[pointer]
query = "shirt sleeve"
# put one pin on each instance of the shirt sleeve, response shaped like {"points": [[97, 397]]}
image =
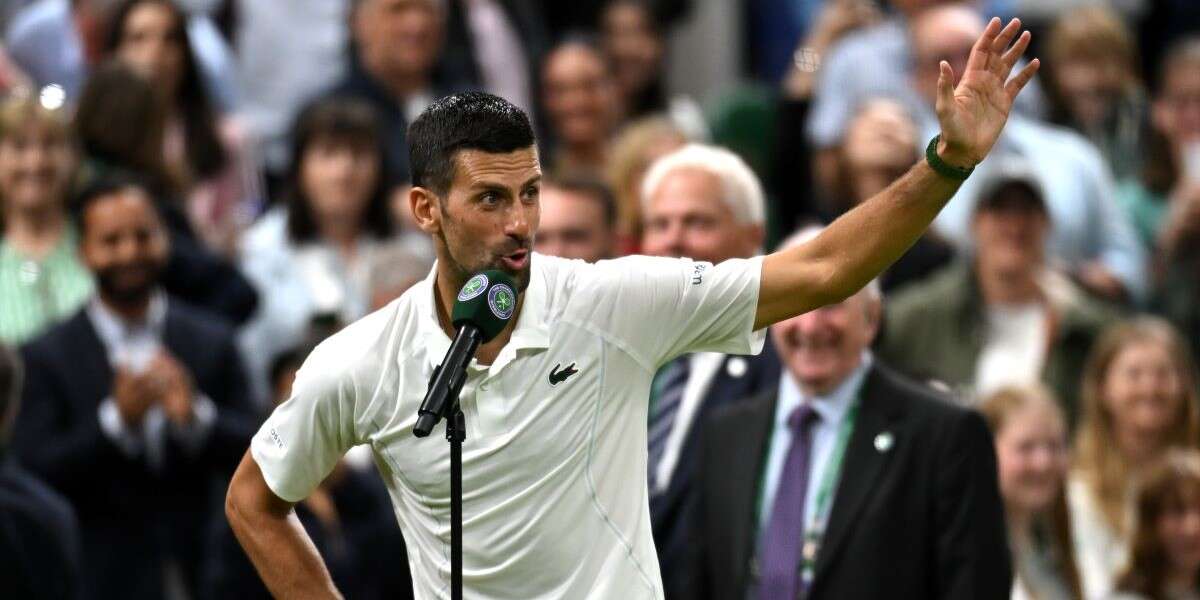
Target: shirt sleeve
{"points": [[660, 308], [304, 437]]}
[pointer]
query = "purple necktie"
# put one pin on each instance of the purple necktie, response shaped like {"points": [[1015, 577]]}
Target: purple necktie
{"points": [[782, 542]]}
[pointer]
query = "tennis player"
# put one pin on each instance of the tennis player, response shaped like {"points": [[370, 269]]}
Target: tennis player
{"points": [[554, 464]]}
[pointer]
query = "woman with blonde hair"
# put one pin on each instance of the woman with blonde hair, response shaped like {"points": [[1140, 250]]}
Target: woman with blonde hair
{"points": [[636, 147], [41, 278], [1030, 433], [1165, 561], [1139, 399]]}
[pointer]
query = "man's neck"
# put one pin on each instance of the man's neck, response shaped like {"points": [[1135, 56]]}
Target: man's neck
{"points": [[132, 311], [999, 287]]}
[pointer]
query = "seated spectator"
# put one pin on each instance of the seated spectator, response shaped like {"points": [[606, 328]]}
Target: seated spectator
{"points": [[845, 479], [1003, 316], [41, 279], [1032, 459], [1165, 559], [396, 45], [311, 254], [582, 106], [120, 122], [635, 148], [201, 150], [578, 219], [1092, 236], [394, 268], [136, 408], [634, 40], [348, 517], [39, 548], [1091, 65], [1139, 399]]}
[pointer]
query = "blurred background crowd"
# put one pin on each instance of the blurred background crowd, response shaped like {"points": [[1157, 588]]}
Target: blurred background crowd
{"points": [[195, 192]]}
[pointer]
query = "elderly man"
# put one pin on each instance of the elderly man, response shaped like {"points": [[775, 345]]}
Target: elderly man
{"points": [[703, 203], [876, 486]]}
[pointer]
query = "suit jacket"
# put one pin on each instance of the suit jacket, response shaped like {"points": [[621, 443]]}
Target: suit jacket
{"points": [[921, 518], [671, 511], [132, 517], [39, 538]]}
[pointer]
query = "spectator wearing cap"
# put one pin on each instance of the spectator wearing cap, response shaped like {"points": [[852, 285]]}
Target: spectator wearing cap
{"points": [[1004, 316], [39, 548], [135, 408], [578, 219], [1092, 237]]}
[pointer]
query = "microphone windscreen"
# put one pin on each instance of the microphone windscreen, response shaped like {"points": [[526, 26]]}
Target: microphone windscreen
{"points": [[487, 301]]}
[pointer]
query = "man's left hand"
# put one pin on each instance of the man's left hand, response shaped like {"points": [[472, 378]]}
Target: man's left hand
{"points": [[973, 113], [178, 390]]}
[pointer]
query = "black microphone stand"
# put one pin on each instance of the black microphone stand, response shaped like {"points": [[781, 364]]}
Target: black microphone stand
{"points": [[456, 432]]}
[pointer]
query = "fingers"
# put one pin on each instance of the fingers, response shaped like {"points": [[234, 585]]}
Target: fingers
{"points": [[1006, 36], [981, 51], [945, 89], [1014, 86]]}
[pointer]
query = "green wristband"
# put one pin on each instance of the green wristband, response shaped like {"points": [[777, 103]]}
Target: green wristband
{"points": [[939, 165]]}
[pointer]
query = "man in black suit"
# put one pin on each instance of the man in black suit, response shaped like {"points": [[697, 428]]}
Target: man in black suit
{"points": [[704, 203], [847, 480], [39, 537], [135, 409]]}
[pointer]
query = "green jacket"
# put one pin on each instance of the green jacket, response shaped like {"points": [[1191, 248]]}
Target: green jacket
{"points": [[934, 330]]}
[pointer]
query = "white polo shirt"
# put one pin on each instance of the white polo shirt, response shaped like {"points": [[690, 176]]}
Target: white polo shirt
{"points": [[554, 475]]}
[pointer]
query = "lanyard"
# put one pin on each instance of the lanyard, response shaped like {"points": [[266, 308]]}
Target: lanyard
{"points": [[815, 530]]}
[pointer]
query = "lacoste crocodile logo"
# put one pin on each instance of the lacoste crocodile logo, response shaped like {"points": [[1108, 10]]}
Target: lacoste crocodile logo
{"points": [[557, 377]]}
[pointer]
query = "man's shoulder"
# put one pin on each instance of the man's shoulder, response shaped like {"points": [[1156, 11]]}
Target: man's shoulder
{"points": [[945, 287], [928, 406], [59, 337]]}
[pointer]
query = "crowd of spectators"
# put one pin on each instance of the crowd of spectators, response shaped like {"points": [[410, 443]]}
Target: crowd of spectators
{"points": [[193, 193]]}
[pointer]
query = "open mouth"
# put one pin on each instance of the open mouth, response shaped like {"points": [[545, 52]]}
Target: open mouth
{"points": [[516, 261]]}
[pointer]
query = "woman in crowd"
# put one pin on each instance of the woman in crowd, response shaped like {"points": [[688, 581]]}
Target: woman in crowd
{"points": [[202, 153], [41, 278], [1139, 399], [311, 255], [1165, 561], [637, 146], [581, 104], [1031, 451]]}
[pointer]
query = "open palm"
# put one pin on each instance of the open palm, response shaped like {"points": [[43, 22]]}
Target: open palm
{"points": [[973, 113]]}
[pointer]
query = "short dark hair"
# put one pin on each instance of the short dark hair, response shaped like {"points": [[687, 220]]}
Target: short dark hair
{"points": [[10, 386], [105, 185], [347, 120], [592, 187], [466, 121]]}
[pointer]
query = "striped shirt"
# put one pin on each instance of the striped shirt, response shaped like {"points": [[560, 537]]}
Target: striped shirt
{"points": [[37, 294]]}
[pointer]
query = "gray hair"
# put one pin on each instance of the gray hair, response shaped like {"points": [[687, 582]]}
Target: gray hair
{"points": [[741, 190]]}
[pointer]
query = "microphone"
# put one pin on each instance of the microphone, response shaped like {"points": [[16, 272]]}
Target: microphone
{"points": [[481, 311]]}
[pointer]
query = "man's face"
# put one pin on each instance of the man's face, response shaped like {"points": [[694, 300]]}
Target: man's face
{"points": [[488, 217], [944, 33], [822, 347], [573, 225], [1090, 86], [635, 48], [580, 95], [687, 217], [399, 37], [124, 245], [1011, 237]]}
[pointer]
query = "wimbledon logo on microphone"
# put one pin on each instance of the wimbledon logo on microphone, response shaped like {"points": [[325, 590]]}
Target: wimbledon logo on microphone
{"points": [[502, 301], [473, 288]]}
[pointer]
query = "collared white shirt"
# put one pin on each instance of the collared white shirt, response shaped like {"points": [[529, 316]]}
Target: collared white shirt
{"points": [[831, 410], [555, 500]]}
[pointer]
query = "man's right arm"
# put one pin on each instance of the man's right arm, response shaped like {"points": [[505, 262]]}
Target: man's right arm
{"points": [[271, 534]]}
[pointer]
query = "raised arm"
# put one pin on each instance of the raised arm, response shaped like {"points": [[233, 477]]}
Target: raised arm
{"points": [[862, 243], [273, 538]]}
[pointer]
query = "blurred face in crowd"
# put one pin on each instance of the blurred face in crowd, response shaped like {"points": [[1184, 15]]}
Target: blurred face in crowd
{"points": [[124, 245], [573, 225], [1031, 454], [822, 347], [487, 218], [35, 165], [338, 177], [152, 43], [1010, 234], [1178, 529], [687, 216], [1090, 86], [580, 95], [398, 38], [878, 147], [633, 45], [1177, 109], [1142, 391], [910, 8], [943, 33]]}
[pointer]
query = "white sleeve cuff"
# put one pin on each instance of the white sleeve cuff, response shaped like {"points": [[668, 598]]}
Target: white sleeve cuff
{"points": [[113, 427]]}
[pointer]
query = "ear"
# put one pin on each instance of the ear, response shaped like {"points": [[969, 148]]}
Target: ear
{"points": [[426, 209]]}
